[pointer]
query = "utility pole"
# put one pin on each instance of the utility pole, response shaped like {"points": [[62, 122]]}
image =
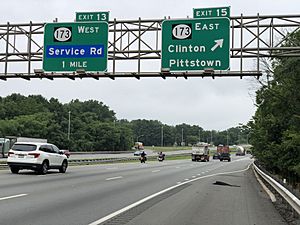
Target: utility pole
{"points": [[162, 136], [69, 129], [227, 138], [69, 125], [181, 136]]}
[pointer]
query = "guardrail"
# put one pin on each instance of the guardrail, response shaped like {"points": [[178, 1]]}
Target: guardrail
{"points": [[291, 199], [3, 164]]}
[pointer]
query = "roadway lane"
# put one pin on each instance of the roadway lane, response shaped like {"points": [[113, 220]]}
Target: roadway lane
{"points": [[100, 155], [203, 202], [85, 194]]}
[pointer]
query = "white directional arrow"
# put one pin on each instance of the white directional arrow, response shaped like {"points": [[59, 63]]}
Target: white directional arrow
{"points": [[219, 43]]}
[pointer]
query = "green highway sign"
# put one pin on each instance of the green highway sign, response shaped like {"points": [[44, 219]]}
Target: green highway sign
{"points": [[92, 16], [73, 46], [195, 44], [212, 12]]}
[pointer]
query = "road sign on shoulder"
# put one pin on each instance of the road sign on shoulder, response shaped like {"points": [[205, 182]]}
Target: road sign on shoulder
{"points": [[92, 16], [212, 12], [195, 44], [73, 46]]}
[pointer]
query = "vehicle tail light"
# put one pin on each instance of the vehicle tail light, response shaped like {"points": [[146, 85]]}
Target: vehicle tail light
{"points": [[10, 153], [35, 155]]}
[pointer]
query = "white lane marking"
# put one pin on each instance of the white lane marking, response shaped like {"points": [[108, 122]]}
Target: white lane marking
{"points": [[186, 179], [193, 176], [198, 174], [206, 171], [13, 196], [112, 168], [267, 190], [103, 219], [155, 171], [177, 167], [179, 182], [114, 178], [203, 172]]}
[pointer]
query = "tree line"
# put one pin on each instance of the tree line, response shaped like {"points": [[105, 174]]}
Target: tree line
{"points": [[275, 128], [94, 126]]}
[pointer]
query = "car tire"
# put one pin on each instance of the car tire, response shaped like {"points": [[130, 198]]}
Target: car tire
{"points": [[44, 168], [221, 160], [63, 167], [229, 160], [14, 169]]}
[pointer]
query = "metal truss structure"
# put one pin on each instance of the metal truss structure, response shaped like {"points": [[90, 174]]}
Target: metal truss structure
{"points": [[138, 44]]}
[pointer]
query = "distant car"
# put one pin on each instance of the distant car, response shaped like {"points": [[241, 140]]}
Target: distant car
{"points": [[39, 157], [216, 156], [137, 153], [66, 152], [225, 156]]}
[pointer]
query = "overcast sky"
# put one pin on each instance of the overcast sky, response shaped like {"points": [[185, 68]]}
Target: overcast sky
{"points": [[212, 104]]}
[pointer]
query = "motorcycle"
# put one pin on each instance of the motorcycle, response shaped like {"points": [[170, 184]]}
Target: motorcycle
{"points": [[161, 158], [143, 159]]}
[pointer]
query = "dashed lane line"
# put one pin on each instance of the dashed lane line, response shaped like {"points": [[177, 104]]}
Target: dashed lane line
{"points": [[114, 178], [12, 196]]}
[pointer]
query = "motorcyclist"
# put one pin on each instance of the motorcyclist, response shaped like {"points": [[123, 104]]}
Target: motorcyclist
{"points": [[161, 155], [143, 156]]}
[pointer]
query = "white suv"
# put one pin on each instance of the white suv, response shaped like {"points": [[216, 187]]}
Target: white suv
{"points": [[36, 156]]}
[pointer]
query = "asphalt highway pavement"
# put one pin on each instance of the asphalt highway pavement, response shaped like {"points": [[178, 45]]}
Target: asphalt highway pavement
{"points": [[171, 192]]}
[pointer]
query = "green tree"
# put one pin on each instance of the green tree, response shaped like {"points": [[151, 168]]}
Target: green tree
{"points": [[275, 131]]}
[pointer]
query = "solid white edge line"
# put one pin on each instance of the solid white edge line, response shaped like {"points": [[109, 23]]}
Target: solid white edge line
{"points": [[13, 196], [267, 190], [114, 178], [103, 219]]}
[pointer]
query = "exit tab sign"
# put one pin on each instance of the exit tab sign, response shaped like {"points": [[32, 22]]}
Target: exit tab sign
{"points": [[92, 16], [212, 12]]}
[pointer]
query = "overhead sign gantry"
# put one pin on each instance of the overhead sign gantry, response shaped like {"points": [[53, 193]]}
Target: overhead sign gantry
{"points": [[137, 42]]}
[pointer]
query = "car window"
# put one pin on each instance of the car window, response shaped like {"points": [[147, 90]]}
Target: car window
{"points": [[55, 149], [46, 148], [24, 147]]}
